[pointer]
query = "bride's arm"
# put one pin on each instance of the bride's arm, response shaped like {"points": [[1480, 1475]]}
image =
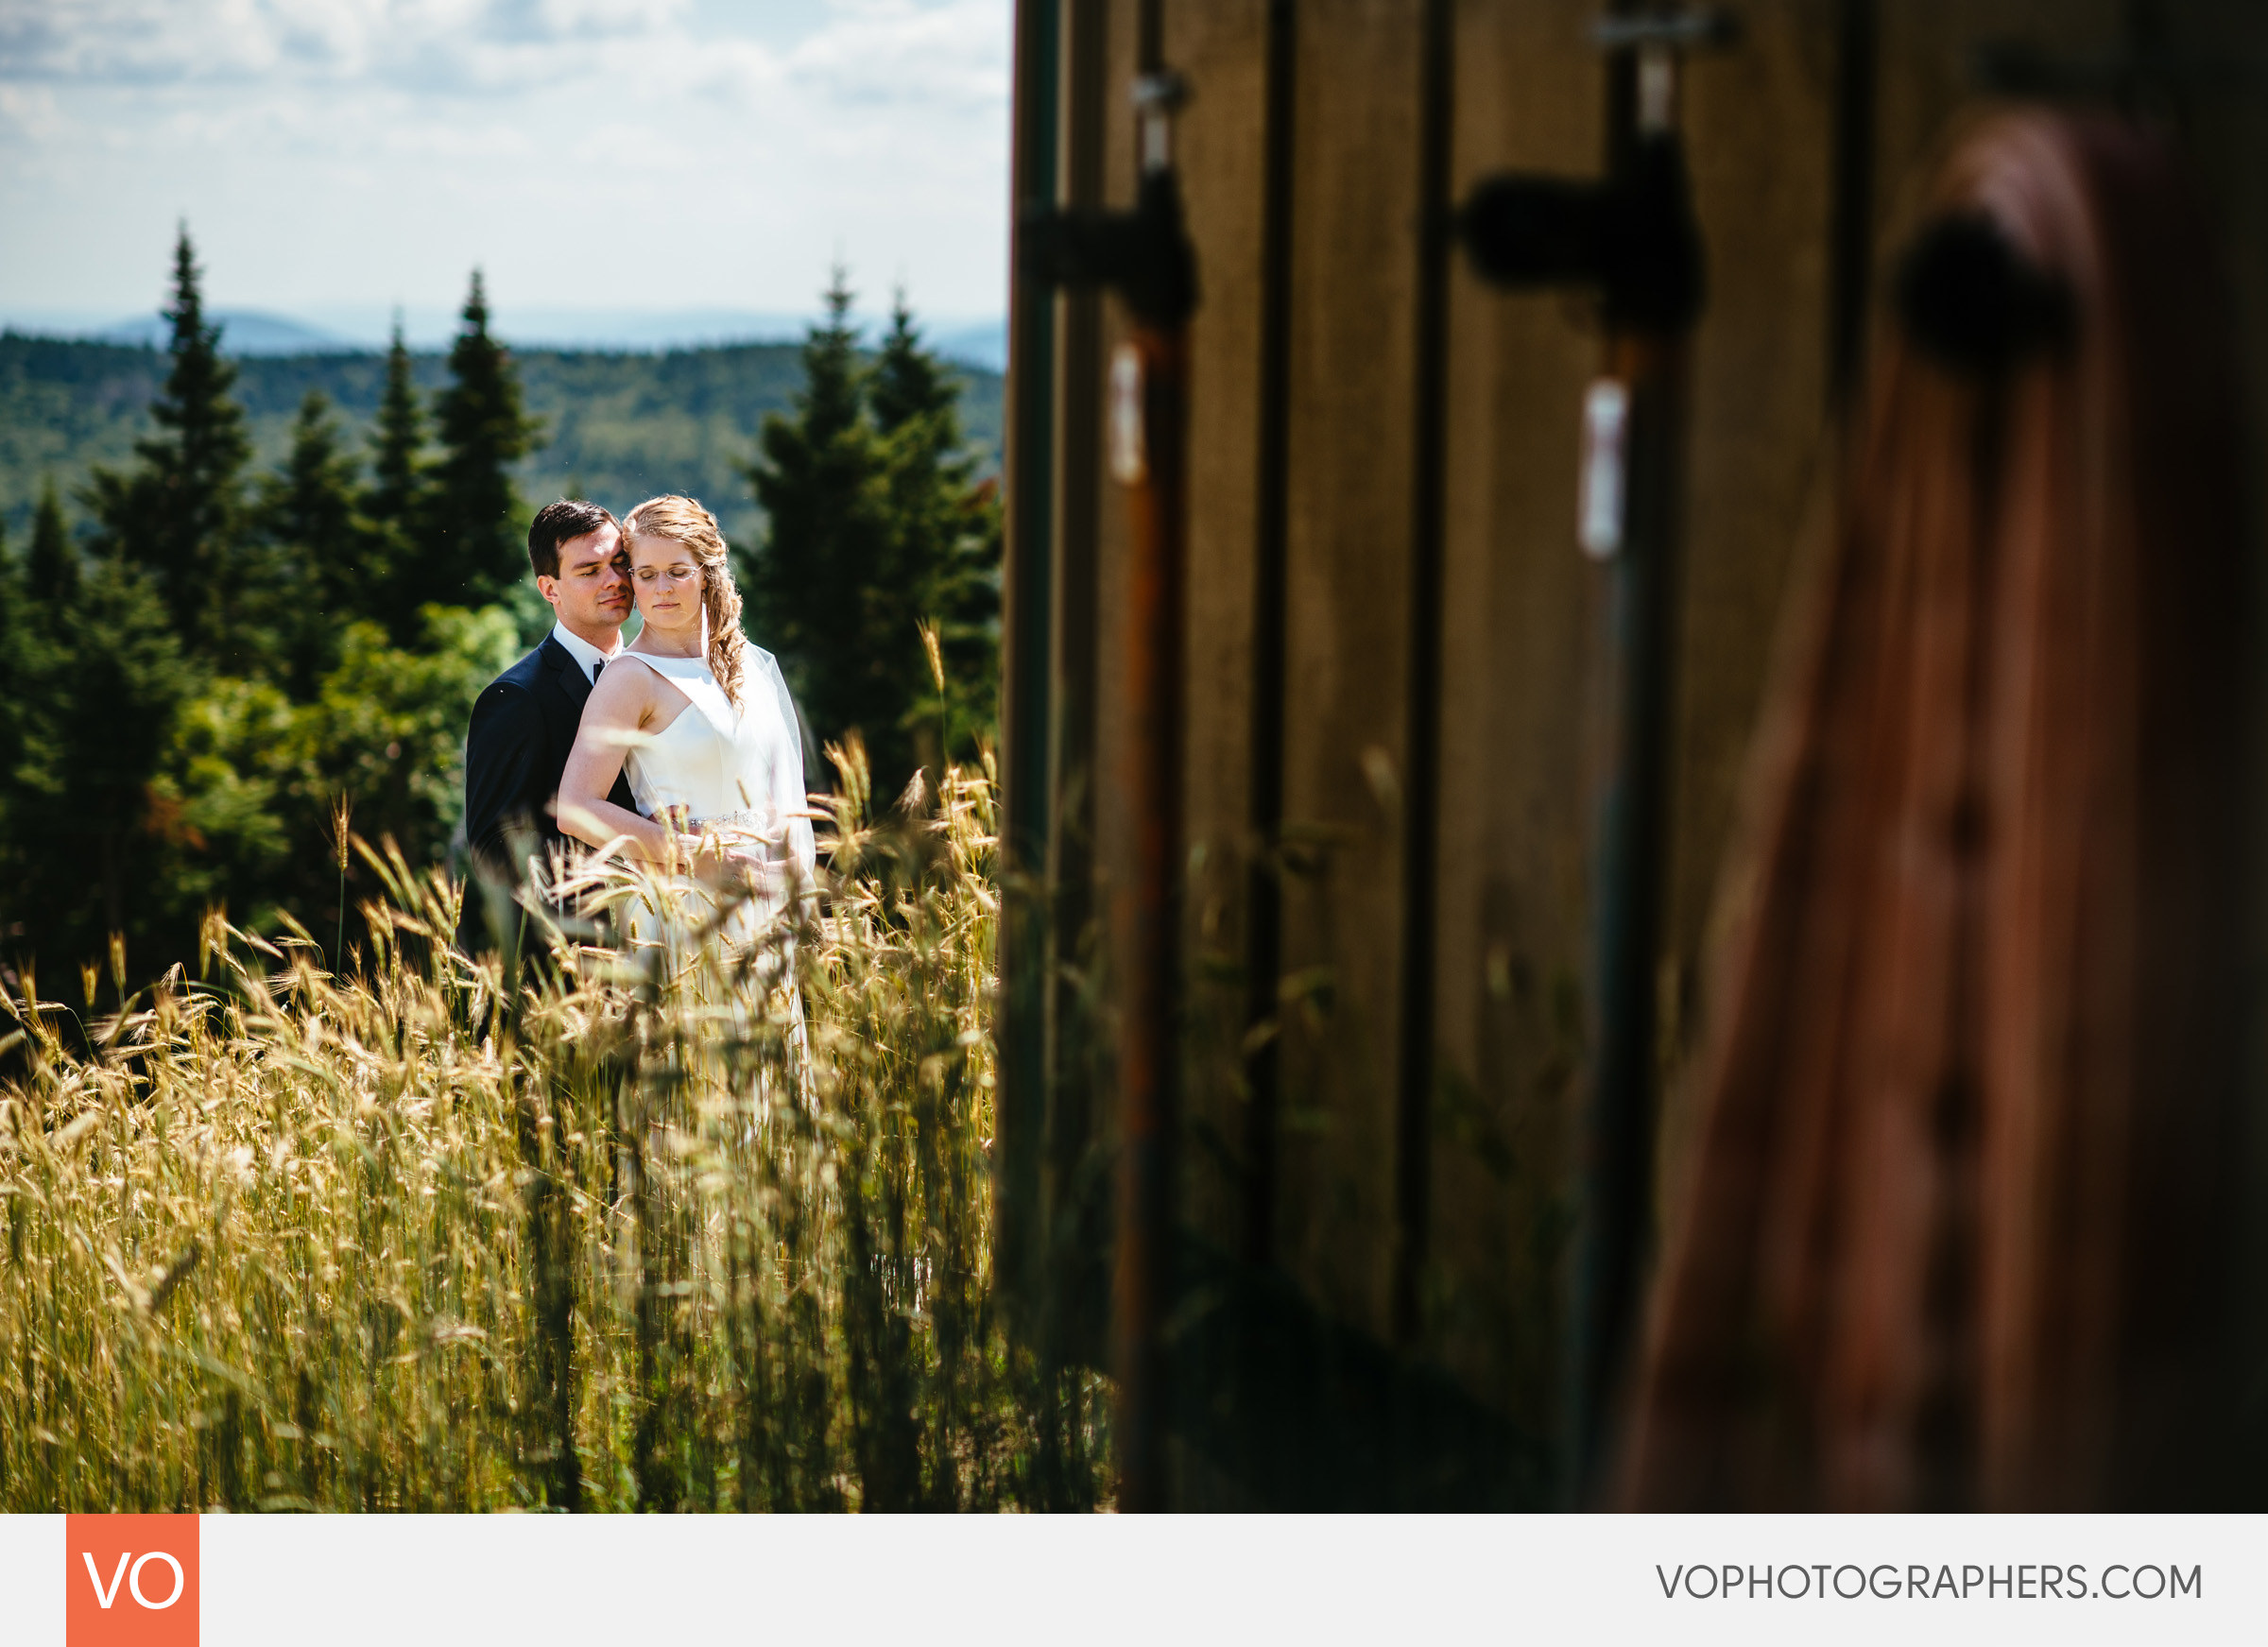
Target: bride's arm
{"points": [[610, 721]]}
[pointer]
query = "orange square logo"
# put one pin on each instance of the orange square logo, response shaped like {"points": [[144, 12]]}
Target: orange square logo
{"points": [[130, 1580]]}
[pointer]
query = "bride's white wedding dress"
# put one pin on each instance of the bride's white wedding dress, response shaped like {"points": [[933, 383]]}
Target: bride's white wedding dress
{"points": [[737, 773]]}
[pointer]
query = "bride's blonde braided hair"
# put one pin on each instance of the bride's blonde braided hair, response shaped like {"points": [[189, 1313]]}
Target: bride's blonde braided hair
{"points": [[683, 522]]}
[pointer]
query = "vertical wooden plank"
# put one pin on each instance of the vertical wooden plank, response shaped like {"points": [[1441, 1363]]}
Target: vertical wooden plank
{"points": [[1760, 130], [2226, 126], [1094, 968], [1525, 614], [1262, 961], [1415, 1061], [1026, 698], [1219, 48], [1760, 127], [1522, 623], [1354, 268], [1075, 1188]]}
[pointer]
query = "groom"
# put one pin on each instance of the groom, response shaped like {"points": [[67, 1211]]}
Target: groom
{"points": [[525, 722]]}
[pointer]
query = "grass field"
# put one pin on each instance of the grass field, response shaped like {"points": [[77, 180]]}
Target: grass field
{"points": [[389, 1236]]}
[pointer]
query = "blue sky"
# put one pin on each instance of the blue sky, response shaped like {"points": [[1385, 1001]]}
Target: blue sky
{"points": [[343, 156]]}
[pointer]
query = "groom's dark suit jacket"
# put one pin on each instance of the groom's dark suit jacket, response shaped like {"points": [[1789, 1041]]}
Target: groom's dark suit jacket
{"points": [[523, 724]]}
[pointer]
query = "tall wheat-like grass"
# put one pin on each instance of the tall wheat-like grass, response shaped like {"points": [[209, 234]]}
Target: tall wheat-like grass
{"points": [[638, 1234]]}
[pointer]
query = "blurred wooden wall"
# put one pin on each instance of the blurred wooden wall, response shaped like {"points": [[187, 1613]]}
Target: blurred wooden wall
{"points": [[1309, 451]]}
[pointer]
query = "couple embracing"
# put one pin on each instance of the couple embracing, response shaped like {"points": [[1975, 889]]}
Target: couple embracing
{"points": [[680, 749]]}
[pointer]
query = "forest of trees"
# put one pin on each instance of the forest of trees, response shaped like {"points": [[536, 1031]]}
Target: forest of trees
{"points": [[215, 658], [876, 526], [617, 424]]}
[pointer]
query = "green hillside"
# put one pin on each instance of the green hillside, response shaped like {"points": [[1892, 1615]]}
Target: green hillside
{"points": [[618, 426]]}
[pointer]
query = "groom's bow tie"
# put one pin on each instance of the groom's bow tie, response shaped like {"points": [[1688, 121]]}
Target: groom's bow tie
{"points": [[596, 667]]}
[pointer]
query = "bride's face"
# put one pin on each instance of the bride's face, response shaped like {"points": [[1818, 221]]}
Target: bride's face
{"points": [[667, 582]]}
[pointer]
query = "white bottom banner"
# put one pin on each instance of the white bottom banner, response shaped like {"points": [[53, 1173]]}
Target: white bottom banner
{"points": [[1246, 1580]]}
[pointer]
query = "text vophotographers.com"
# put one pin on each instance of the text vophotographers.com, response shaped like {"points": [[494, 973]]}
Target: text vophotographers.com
{"points": [[1918, 1581]]}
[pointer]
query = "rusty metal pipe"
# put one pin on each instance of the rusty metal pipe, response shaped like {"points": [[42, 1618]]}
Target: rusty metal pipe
{"points": [[1144, 256], [1148, 400]]}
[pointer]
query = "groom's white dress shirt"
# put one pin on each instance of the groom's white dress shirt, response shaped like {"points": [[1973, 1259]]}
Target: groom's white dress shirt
{"points": [[585, 654]]}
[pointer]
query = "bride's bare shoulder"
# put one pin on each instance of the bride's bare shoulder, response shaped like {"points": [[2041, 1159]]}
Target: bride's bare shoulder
{"points": [[642, 695], [621, 691]]}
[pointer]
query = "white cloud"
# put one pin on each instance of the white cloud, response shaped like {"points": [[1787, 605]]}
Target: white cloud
{"points": [[337, 42], [330, 151], [888, 54], [28, 115]]}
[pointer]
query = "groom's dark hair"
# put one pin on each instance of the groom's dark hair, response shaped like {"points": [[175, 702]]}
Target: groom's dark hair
{"points": [[558, 522]]}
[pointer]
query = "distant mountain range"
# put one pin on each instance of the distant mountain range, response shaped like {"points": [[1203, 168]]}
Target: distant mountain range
{"points": [[243, 332], [332, 331]]}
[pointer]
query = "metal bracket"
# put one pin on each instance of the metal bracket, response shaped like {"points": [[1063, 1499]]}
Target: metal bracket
{"points": [[1632, 234], [1145, 255], [1665, 31], [1973, 302]]}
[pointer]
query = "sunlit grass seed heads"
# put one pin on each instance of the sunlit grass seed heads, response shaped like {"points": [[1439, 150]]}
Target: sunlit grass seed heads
{"points": [[392, 1236]]}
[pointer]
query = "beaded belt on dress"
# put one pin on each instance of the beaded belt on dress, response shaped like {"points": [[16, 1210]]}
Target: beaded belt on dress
{"points": [[756, 822]]}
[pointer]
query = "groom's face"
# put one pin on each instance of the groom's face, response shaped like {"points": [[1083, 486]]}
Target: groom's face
{"points": [[593, 590]]}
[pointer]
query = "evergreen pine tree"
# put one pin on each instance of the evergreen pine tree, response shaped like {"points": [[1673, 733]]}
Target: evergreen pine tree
{"points": [[472, 551], [13, 617], [100, 680], [910, 382], [332, 560], [52, 576], [38, 592], [876, 527], [396, 442], [947, 548], [176, 514], [396, 499], [311, 499], [822, 584]]}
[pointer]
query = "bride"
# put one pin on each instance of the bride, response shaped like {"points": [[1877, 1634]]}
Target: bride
{"points": [[704, 723]]}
